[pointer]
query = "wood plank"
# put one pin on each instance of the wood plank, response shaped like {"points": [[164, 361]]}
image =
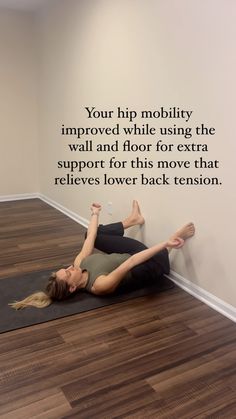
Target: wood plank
{"points": [[48, 407], [161, 356]]}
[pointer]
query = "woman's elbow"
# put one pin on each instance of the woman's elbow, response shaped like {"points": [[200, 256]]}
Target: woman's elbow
{"points": [[103, 290]]}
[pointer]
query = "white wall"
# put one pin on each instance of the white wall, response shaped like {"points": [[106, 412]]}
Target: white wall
{"points": [[18, 104], [145, 54], [137, 54]]}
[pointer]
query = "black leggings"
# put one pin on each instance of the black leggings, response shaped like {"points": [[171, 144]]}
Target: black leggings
{"points": [[110, 239]]}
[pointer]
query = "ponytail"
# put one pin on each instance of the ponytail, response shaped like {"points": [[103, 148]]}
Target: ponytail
{"points": [[38, 299], [56, 290]]}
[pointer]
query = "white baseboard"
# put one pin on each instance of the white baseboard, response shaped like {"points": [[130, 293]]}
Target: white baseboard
{"points": [[206, 297], [17, 197], [83, 221]]}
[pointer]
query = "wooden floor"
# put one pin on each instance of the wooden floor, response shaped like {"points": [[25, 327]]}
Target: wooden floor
{"points": [[160, 356]]}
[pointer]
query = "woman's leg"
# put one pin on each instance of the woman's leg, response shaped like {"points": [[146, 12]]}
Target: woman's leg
{"points": [[113, 229], [117, 229], [110, 237], [110, 240], [154, 268], [109, 243]]}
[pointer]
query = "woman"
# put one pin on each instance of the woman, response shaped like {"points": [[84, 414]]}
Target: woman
{"points": [[124, 259]]}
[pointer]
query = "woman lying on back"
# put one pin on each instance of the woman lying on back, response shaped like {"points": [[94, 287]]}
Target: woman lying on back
{"points": [[124, 259]]}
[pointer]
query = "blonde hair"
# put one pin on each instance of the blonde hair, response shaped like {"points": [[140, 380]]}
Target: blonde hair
{"points": [[56, 290], [38, 299]]}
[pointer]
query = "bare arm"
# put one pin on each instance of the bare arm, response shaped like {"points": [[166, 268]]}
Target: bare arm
{"points": [[88, 245], [105, 284]]}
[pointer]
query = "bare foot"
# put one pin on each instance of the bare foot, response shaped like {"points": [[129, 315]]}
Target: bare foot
{"points": [[136, 213], [135, 218], [185, 232]]}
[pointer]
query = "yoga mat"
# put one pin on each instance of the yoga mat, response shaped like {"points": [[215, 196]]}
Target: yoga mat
{"points": [[19, 287]]}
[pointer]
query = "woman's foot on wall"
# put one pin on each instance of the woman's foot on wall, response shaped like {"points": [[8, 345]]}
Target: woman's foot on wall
{"points": [[185, 232], [135, 218]]}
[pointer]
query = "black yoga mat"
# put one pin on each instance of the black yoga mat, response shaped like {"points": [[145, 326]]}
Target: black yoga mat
{"points": [[19, 287]]}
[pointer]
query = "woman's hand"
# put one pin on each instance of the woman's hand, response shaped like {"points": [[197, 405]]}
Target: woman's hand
{"points": [[88, 246], [95, 208], [175, 243]]}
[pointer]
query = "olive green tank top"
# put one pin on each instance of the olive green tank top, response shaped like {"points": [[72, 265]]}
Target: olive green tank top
{"points": [[101, 264]]}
